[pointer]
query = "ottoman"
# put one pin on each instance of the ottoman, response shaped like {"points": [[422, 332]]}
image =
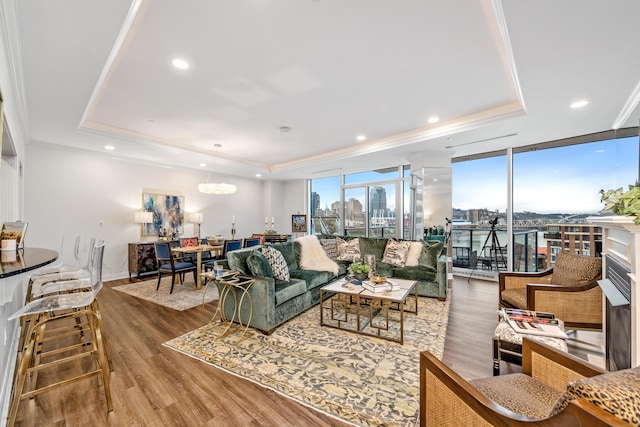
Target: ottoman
{"points": [[507, 345]]}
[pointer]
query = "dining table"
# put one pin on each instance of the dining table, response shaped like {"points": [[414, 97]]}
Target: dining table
{"points": [[198, 250]]}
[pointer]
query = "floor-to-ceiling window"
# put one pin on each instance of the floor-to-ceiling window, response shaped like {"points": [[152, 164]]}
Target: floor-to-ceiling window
{"points": [[373, 203], [555, 187], [325, 206], [479, 197]]}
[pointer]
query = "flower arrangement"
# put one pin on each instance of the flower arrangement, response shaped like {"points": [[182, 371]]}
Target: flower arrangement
{"points": [[623, 202]]}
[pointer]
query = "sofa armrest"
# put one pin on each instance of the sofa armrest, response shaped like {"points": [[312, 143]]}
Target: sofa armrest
{"points": [[441, 274], [579, 306], [553, 367], [510, 280], [447, 399], [263, 304]]}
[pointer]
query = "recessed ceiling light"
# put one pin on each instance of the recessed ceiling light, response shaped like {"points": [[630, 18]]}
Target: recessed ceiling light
{"points": [[180, 63], [433, 119], [258, 175], [109, 147], [579, 104], [284, 129], [361, 137], [203, 165]]}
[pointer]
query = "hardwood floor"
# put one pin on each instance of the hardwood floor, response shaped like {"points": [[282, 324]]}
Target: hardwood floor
{"points": [[153, 385]]}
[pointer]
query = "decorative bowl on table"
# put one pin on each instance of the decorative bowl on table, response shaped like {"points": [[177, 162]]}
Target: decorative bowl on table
{"points": [[378, 279], [215, 240]]}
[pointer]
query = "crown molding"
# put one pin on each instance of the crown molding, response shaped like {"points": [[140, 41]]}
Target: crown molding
{"points": [[11, 72]]}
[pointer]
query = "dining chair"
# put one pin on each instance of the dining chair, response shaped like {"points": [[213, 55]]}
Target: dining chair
{"points": [[228, 246], [250, 241], [206, 255], [168, 265]]}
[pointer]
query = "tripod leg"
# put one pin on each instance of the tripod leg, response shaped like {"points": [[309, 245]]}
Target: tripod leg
{"points": [[481, 252]]}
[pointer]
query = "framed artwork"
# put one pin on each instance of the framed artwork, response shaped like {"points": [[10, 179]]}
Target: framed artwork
{"points": [[299, 223], [168, 213], [14, 231]]}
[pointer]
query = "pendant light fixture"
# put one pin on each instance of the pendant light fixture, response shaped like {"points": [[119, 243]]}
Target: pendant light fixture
{"points": [[216, 187]]}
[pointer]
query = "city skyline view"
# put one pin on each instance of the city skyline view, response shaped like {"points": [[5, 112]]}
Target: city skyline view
{"points": [[561, 180]]}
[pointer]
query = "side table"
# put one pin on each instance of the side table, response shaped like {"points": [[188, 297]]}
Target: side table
{"points": [[231, 283], [507, 344]]}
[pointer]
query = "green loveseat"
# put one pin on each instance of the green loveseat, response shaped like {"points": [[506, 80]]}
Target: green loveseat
{"points": [[276, 301]]}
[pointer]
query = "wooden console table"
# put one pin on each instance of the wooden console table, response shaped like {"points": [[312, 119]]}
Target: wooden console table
{"points": [[142, 257], [273, 238]]}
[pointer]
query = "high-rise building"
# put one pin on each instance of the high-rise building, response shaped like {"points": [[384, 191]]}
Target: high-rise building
{"points": [[378, 202], [315, 204]]}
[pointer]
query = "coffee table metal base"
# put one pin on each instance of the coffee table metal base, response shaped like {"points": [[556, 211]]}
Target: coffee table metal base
{"points": [[380, 315]]}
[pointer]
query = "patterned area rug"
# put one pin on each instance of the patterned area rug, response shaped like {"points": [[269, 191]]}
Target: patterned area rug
{"points": [[362, 380], [184, 296]]}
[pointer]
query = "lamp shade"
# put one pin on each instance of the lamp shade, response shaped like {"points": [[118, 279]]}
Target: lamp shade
{"points": [[143, 217], [216, 188], [195, 217]]}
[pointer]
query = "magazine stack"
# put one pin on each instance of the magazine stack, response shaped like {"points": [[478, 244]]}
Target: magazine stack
{"points": [[533, 322]]}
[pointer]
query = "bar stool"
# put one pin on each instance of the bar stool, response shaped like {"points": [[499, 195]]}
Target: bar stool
{"points": [[79, 314]]}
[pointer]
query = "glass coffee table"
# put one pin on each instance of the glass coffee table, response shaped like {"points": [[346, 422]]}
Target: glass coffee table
{"points": [[350, 307]]}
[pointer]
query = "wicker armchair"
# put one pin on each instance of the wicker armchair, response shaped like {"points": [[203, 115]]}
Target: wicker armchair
{"points": [[554, 389], [569, 290]]}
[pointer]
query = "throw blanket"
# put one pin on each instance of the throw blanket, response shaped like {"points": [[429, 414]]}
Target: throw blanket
{"points": [[313, 257]]}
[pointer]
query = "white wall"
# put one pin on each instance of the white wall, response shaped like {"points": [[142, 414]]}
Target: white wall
{"points": [[434, 167], [70, 191], [296, 201]]}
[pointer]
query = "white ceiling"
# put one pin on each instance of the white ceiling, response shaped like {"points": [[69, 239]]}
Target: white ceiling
{"points": [[500, 72]]}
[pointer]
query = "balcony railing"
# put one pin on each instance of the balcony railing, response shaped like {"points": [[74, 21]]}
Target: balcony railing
{"points": [[486, 249]]}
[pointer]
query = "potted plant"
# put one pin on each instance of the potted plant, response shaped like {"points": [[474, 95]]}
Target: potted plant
{"points": [[623, 202], [359, 270]]}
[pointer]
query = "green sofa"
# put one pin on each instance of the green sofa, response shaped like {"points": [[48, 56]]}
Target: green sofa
{"points": [[276, 301], [431, 271]]}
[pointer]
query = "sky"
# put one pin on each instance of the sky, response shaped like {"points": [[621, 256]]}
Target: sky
{"points": [[558, 180]]}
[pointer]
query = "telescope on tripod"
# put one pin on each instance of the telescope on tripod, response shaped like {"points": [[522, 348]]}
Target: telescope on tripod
{"points": [[496, 255]]}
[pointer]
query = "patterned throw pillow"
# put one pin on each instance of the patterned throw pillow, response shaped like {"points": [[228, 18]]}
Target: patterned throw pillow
{"points": [[348, 250], [615, 392], [330, 247], [395, 253], [277, 263], [576, 270]]}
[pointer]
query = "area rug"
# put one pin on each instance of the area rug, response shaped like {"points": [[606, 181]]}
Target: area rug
{"points": [[359, 379], [184, 296]]}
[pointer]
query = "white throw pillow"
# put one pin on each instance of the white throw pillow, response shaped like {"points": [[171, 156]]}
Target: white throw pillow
{"points": [[413, 256], [395, 253]]}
